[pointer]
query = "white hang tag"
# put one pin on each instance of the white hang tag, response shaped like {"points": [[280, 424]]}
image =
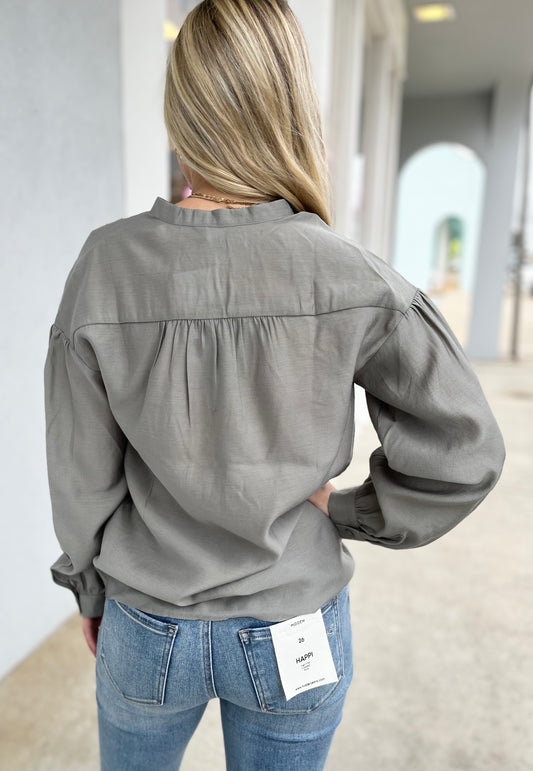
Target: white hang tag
{"points": [[302, 653]]}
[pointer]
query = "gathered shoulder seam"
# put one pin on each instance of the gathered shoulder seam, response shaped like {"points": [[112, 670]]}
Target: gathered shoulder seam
{"points": [[393, 330], [72, 347]]}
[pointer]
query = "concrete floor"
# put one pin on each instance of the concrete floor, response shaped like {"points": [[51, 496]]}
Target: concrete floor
{"points": [[442, 638]]}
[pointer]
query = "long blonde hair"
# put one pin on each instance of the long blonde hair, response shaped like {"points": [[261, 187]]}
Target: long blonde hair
{"points": [[240, 104]]}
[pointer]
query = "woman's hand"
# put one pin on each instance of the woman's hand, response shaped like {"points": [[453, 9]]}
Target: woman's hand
{"points": [[321, 497], [90, 631]]}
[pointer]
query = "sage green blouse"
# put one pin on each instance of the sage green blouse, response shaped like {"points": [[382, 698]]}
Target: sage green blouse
{"points": [[199, 387]]}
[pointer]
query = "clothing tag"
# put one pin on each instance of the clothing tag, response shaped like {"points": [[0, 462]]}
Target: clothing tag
{"points": [[303, 654]]}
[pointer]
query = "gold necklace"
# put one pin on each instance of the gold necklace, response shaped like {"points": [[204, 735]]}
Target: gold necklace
{"points": [[222, 200]]}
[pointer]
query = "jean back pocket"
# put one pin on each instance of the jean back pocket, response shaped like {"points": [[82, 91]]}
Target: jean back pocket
{"points": [[135, 651], [262, 665]]}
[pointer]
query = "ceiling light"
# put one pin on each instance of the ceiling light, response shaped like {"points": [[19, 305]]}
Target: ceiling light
{"points": [[170, 31], [431, 12]]}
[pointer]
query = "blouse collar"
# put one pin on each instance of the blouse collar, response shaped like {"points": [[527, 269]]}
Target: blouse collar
{"points": [[245, 215]]}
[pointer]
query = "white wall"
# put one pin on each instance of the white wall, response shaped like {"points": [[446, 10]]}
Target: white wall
{"points": [[316, 20], [63, 174], [146, 159]]}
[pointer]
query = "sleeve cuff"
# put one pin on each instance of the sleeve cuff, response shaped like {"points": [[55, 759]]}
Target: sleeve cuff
{"points": [[356, 514], [342, 512], [87, 587]]}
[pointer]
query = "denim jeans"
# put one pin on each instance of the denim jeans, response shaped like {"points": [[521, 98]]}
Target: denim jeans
{"points": [[155, 675]]}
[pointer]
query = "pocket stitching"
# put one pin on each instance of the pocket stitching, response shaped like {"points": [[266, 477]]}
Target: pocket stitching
{"points": [[163, 672], [117, 689], [173, 633], [260, 696], [142, 623], [339, 640]]}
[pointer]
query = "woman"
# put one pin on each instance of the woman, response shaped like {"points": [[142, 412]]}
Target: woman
{"points": [[199, 396]]}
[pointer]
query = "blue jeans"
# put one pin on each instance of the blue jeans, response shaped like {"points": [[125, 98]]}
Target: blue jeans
{"points": [[155, 675]]}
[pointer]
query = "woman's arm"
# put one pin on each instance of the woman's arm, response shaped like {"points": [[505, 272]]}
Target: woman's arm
{"points": [[441, 449], [85, 451]]}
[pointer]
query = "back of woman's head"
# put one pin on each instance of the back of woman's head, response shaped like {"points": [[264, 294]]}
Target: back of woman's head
{"points": [[240, 104]]}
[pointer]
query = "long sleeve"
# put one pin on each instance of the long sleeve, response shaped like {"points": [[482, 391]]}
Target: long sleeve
{"points": [[85, 451], [441, 449]]}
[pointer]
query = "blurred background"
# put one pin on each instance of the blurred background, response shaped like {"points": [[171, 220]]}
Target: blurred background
{"points": [[426, 114]]}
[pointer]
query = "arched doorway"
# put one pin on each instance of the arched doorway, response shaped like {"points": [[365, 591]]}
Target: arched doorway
{"points": [[439, 206]]}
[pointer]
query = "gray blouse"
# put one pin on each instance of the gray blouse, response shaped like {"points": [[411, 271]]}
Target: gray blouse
{"points": [[199, 387]]}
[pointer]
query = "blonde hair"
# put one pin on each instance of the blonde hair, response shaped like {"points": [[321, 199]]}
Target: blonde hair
{"points": [[240, 105]]}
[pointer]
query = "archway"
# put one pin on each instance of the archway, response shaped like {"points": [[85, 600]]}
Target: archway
{"points": [[439, 206]]}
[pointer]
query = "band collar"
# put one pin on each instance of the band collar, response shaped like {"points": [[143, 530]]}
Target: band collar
{"points": [[245, 215]]}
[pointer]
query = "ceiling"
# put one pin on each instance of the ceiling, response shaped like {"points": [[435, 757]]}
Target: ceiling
{"points": [[488, 41]]}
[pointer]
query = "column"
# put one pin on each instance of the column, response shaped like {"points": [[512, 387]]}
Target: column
{"points": [[377, 137], [342, 125], [393, 153], [511, 99]]}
